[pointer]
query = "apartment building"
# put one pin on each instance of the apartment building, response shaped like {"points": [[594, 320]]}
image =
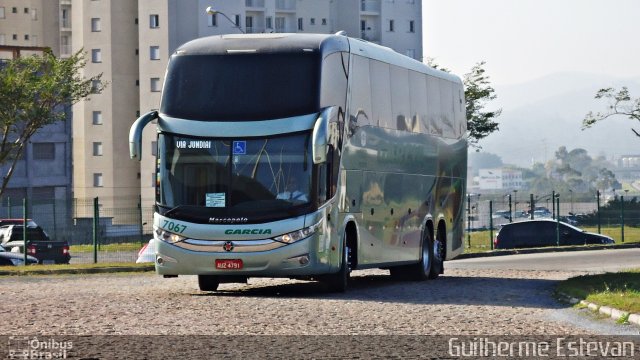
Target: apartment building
{"points": [[44, 170], [130, 42]]}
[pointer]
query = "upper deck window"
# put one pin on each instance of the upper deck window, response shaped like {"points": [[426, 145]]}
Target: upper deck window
{"points": [[242, 86]]}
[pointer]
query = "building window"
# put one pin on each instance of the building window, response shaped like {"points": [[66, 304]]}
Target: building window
{"points": [[300, 23], [44, 151], [95, 86], [26, 10], [363, 25], [154, 148], [212, 20], [135, 21], [248, 24], [269, 22], [26, 37], [34, 14], [391, 25], [155, 84], [237, 22], [312, 21], [412, 26], [96, 55], [97, 180], [154, 52], [97, 149], [154, 21], [97, 118], [1, 12], [14, 10], [96, 26], [14, 36], [324, 21], [280, 22]]}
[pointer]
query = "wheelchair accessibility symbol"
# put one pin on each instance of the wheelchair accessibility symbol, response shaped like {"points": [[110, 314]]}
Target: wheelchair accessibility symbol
{"points": [[239, 148]]}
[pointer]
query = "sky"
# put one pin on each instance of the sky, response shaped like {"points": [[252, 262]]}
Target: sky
{"points": [[522, 40]]}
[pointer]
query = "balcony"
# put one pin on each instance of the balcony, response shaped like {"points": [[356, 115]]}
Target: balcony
{"points": [[65, 24], [253, 4], [285, 5], [65, 51], [370, 7], [370, 35]]}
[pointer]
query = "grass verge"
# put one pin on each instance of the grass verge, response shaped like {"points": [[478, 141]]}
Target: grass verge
{"points": [[617, 290], [74, 268]]}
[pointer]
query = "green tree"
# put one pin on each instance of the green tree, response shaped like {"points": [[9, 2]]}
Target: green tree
{"points": [[478, 92], [620, 103], [33, 93]]}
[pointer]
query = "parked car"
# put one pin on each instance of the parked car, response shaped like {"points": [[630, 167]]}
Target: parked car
{"points": [[39, 245], [148, 253], [30, 222], [542, 232], [14, 259]]}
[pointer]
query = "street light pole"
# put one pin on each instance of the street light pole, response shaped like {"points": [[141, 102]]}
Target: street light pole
{"points": [[211, 11], [515, 202]]}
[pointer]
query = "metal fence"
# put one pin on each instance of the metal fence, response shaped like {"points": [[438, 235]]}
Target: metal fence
{"points": [[114, 230], [616, 216], [97, 230]]}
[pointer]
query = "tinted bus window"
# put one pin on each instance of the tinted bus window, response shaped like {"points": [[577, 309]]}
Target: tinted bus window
{"points": [[360, 108], [433, 106], [242, 86], [334, 81], [446, 109], [381, 94], [418, 88], [400, 98]]}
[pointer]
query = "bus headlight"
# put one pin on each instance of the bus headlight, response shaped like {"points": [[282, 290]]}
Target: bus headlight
{"points": [[167, 236], [298, 234]]}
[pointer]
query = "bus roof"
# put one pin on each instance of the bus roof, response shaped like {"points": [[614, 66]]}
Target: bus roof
{"points": [[296, 42]]}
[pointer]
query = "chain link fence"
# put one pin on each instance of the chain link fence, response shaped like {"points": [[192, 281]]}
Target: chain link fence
{"points": [[97, 230], [616, 216], [114, 230]]}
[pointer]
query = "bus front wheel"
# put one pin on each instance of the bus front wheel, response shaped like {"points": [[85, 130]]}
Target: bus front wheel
{"points": [[339, 281], [208, 282]]}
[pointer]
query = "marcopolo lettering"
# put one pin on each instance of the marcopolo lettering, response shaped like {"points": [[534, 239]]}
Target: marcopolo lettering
{"points": [[248, 231]]}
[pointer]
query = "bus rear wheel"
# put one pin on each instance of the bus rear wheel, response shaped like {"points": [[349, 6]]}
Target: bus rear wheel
{"points": [[208, 282], [423, 270]]}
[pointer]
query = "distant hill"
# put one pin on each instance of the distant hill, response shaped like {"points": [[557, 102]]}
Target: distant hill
{"points": [[541, 115]]}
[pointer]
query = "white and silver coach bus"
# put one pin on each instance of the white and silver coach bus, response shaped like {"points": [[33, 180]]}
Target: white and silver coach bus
{"points": [[305, 156]]}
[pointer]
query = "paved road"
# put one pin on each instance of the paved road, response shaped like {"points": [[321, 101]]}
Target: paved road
{"points": [[587, 261]]}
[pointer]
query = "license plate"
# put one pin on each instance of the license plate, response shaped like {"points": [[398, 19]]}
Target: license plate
{"points": [[48, 262], [229, 264]]}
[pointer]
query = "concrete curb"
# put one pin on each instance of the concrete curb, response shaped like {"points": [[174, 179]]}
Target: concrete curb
{"points": [[545, 250], [604, 310], [62, 271]]}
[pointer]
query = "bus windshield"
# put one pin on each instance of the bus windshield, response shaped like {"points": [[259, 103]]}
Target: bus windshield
{"points": [[204, 178], [241, 86]]}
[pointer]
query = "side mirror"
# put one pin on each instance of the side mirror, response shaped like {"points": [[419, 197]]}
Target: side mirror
{"points": [[135, 134], [320, 136]]}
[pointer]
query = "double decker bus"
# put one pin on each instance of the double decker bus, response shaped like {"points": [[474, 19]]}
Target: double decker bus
{"points": [[305, 156]]}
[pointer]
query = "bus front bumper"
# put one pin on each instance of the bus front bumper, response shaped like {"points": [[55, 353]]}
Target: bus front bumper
{"points": [[301, 258]]}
